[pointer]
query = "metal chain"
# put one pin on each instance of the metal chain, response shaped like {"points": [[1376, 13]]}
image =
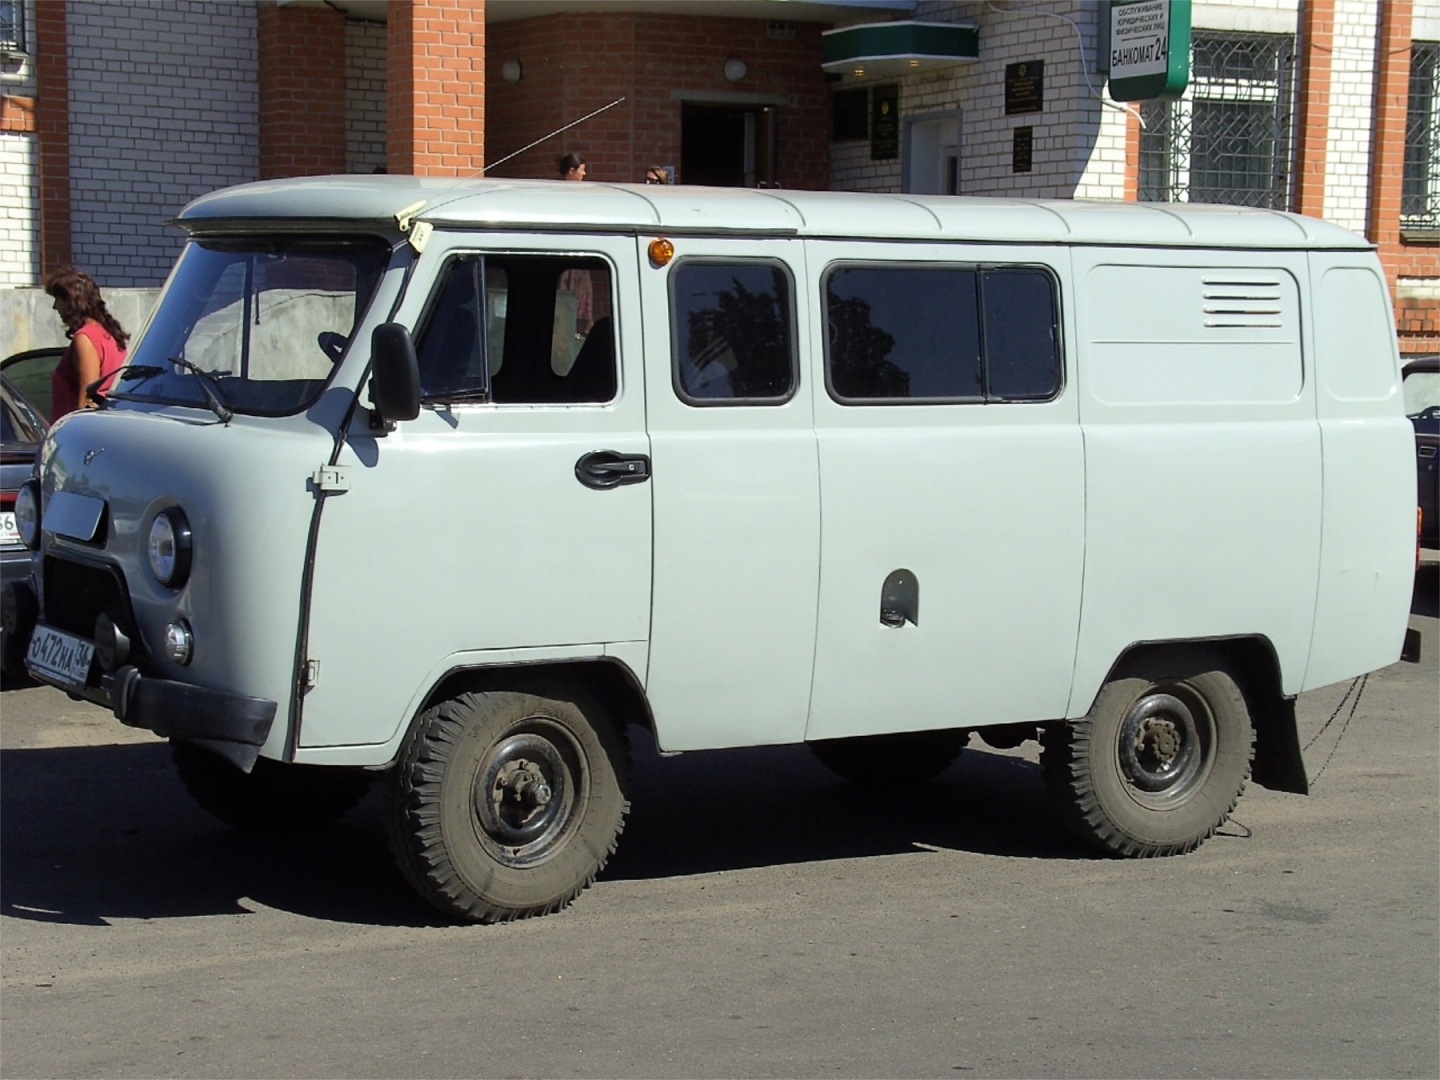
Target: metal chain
{"points": [[1358, 689]]}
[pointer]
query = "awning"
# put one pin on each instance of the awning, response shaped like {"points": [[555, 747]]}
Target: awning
{"points": [[898, 48]]}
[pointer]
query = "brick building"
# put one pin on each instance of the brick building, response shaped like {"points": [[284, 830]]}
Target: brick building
{"points": [[114, 115]]}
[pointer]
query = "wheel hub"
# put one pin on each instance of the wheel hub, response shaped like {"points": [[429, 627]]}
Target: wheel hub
{"points": [[521, 793], [1159, 746]]}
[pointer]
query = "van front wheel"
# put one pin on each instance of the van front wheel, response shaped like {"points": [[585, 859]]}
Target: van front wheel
{"points": [[1159, 762], [506, 804]]}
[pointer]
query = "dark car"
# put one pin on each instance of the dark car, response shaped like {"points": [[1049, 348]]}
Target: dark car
{"points": [[1422, 405], [24, 405]]}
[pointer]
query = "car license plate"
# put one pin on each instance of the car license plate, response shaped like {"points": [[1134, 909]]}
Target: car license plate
{"points": [[9, 534], [62, 657]]}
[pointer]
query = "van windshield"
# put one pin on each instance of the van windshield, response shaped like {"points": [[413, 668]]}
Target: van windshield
{"points": [[259, 324]]}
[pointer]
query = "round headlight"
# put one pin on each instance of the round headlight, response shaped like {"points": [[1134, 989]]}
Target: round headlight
{"points": [[169, 547], [27, 513]]}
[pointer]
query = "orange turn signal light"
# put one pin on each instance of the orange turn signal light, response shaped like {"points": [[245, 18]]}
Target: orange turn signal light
{"points": [[661, 251]]}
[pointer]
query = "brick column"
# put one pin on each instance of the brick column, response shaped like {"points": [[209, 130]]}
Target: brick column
{"points": [[1392, 91], [1317, 34], [1132, 155], [1417, 321], [302, 90], [436, 87], [52, 130]]}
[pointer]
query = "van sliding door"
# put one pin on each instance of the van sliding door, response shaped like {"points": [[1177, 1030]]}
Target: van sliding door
{"points": [[952, 490]]}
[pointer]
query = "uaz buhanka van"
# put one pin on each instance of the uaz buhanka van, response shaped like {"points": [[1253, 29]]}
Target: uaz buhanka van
{"points": [[449, 483]]}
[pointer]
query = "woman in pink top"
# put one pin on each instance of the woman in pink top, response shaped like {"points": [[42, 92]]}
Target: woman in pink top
{"points": [[97, 341]]}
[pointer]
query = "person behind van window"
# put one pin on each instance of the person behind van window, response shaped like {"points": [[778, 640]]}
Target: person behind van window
{"points": [[97, 341], [572, 167], [657, 174]]}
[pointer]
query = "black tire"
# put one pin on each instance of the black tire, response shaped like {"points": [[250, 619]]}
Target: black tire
{"points": [[271, 798], [1159, 762], [879, 760], [505, 804]]}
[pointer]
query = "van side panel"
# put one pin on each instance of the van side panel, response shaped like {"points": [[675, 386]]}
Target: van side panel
{"points": [[1202, 455], [1368, 553], [981, 506]]}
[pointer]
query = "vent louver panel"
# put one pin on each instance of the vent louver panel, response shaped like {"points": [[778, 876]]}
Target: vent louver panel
{"points": [[1242, 305]]}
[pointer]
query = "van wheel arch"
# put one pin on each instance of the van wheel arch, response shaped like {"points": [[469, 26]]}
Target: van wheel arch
{"points": [[609, 680], [1253, 662]]}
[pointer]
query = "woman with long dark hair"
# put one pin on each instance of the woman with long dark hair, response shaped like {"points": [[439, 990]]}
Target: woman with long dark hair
{"points": [[97, 341]]}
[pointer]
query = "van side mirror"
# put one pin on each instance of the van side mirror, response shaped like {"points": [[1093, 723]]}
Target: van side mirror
{"points": [[394, 373]]}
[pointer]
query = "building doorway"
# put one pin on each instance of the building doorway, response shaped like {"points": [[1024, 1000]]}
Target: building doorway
{"points": [[932, 154], [728, 145]]}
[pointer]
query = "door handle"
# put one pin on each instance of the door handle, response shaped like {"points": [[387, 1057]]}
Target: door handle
{"points": [[606, 469]]}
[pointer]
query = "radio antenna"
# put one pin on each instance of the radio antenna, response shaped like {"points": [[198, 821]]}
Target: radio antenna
{"points": [[557, 131]]}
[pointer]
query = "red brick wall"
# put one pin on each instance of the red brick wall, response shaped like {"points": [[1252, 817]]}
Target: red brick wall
{"points": [[577, 62], [302, 90], [1417, 322], [52, 122], [1317, 35], [435, 112]]}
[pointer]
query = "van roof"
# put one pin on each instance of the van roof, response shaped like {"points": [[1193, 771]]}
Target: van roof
{"points": [[648, 209]]}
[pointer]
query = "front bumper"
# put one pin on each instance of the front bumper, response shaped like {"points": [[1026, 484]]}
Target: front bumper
{"points": [[232, 725]]}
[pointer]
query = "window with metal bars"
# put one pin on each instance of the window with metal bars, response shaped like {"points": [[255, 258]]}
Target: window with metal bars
{"points": [[1420, 193], [1228, 139], [12, 26]]}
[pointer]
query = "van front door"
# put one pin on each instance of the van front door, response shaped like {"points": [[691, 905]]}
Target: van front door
{"points": [[736, 489], [493, 527], [952, 491]]}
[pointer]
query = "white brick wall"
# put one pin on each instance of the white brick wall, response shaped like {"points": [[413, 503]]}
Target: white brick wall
{"points": [[163, 108], [1352, 92], [19, 180], [364, 96], [1079, 146]]}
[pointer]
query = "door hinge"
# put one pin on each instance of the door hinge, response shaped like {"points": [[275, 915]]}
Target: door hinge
{"points": [[312, 674], [331, 478]]}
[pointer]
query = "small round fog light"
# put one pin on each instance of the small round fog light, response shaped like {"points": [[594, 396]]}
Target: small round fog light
{"points": [[179, 642], [112, 645]]}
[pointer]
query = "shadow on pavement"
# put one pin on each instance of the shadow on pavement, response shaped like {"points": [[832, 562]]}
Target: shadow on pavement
{"points": [[89, 834]]}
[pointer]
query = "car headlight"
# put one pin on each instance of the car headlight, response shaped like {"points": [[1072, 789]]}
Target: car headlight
{"points": [[169, 547], [27, 514]]}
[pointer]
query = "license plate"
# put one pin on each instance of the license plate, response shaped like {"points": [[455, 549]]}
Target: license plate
{"points": [[62, 657], [9, 534]]}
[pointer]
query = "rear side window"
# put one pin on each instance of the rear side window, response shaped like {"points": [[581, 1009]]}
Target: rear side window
{"points": [[520, 330], [734, 333], [941, 333]]}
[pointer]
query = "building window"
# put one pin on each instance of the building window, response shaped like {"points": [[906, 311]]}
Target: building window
{"points": [[1228, 140], [1420, 196], [12, 26]]}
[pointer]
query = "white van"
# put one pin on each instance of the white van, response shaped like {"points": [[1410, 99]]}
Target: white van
{"points": [[450, 482]]}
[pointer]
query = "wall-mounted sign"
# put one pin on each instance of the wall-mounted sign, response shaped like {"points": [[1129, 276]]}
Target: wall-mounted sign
{"points": [[1025, 87], [885, 122], [849, 114], [1149, 49], [1022, 150]]}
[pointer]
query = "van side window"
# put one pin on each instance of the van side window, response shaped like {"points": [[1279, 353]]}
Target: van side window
{"points": [[941, 333], [734, 339], [546, 336]]}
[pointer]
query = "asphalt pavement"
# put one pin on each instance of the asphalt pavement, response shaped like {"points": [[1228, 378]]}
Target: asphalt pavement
{"points": [[762, 918]]}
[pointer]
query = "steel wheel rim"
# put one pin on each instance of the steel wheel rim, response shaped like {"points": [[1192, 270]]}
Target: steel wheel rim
{"points": [[527, 790], [1165, 747]]}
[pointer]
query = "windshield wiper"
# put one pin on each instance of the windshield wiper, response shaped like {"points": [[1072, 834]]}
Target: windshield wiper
{"points": [[214, 396], [473, 393], [136, 371]]}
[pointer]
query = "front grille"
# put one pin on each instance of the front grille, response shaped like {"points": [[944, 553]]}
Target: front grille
{"points": [[76, 594]]}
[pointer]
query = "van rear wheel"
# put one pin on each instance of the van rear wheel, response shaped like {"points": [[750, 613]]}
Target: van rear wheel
{"points": [[1159, 762], [506, 804], [877, 760]]}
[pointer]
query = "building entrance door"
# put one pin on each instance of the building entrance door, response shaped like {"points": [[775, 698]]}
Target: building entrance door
{"points": [[728, 145]]}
